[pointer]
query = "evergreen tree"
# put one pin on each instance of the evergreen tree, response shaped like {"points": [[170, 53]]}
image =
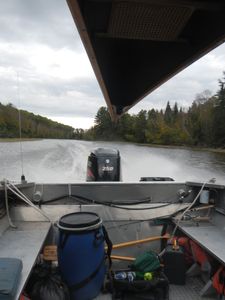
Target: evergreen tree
{"points": [[153, 126], [168, 116], [104, 127], [140, 126], [175, 112], [202, 124], [125, 128]]}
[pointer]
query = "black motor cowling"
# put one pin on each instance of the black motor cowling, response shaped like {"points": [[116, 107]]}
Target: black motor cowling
{"points": [[103, 165]]}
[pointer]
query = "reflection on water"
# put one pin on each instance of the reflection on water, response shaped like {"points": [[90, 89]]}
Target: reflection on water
{"points": [[65, 161]]}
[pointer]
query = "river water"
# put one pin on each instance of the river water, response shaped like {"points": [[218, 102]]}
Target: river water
{"points": [[49, 161]]}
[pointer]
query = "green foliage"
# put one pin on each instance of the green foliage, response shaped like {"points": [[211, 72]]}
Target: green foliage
{"points": [[78, 133], [218, 123], [168, 116], [203, 124], [32, 126], [199, 119], [105, 129], [140, 127]]}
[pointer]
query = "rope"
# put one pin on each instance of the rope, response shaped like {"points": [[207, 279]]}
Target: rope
{"points": [[188, 208], [20, 195], [7, 206], [87, 228]]}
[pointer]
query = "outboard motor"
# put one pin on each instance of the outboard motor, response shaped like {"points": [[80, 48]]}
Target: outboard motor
{"points": [[103, 165]]}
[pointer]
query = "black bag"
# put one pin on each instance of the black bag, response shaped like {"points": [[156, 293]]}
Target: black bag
{"points": [[45, 283], [155, 289], [50, 288]]}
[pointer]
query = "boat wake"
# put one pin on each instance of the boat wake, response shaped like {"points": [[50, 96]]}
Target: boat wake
{"points": [[55, 161]]}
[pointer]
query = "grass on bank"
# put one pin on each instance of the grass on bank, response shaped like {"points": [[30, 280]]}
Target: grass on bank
{"points": [[7, 140]]}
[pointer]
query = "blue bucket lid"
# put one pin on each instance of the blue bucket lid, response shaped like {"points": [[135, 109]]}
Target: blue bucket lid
{"points": [[79, 221]]}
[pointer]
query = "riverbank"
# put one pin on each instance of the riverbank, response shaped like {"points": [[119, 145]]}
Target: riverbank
{"points": [[9, 140], [216, 150], [193, 148]]}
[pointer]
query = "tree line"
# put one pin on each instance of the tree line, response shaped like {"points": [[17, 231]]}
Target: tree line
{"points": [[202, 124], [32, 126]]}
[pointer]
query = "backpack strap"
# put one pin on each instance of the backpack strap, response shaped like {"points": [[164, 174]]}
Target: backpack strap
{"points": [[109, 245], [109, 251], [85, 281]]}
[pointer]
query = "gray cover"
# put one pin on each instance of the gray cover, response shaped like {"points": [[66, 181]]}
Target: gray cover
{"points": [[10, 270]]}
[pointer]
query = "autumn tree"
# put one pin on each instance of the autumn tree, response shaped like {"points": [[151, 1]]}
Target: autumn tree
{"points": [[219, 116]]}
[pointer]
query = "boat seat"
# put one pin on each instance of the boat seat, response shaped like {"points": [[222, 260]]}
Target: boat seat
{"points": [[211, 238], [25, 243], [208, 236], [10, 271]]}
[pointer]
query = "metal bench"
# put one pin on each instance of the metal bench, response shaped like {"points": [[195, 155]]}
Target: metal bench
{"points": [[25, 243]]}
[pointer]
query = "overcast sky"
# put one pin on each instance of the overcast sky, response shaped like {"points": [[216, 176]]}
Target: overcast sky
{"points": [[44, 67]]}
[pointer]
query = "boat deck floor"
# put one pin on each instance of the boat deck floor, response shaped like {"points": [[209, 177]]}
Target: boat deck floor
{"points": [[189, 291]]}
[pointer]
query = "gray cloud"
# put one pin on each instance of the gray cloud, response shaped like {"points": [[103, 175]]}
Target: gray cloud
{"points": [[182, 88], [48, 22], [30, 25], [26, 24], [50, 99], [53, 97]]}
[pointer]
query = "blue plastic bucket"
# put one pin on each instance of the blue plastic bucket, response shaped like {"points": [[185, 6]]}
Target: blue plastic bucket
{"points": [[81, 254]]}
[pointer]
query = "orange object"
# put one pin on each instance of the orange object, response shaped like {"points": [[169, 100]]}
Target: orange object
{"points": [[23, 297], [137, 242], [199, 255], [219, 281], [175, 245], [126, 258]]}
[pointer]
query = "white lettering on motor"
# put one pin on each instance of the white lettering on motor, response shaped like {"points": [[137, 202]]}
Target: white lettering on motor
{"points": [[107, 168]]}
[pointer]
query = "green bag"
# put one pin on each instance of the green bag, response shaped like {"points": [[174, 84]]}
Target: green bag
{"points": [[146, 262]]}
